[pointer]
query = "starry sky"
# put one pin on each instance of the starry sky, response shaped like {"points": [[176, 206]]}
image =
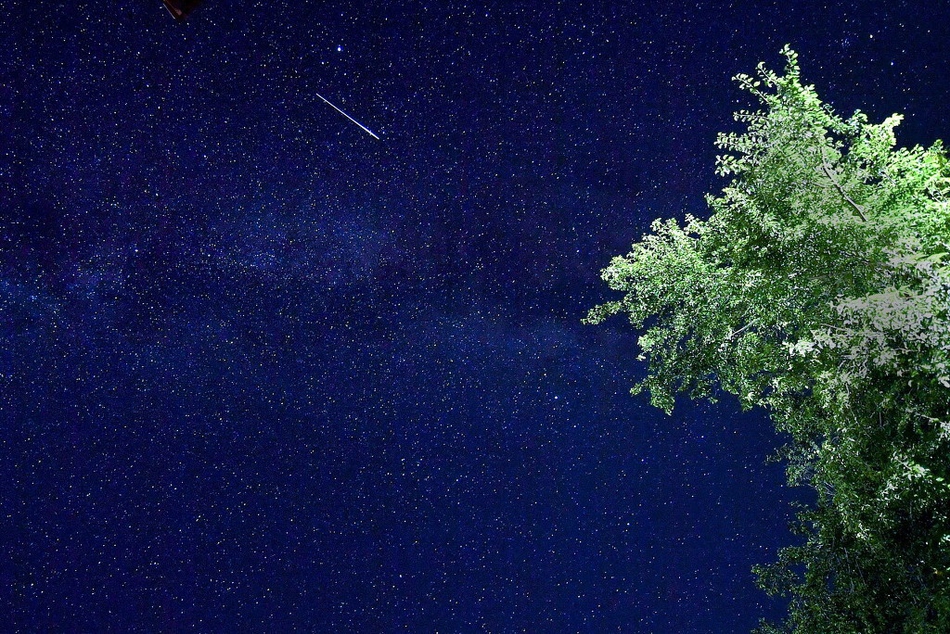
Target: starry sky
{"points": [[262, 372]]}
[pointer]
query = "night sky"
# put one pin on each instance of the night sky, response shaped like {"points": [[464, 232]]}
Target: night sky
{"points": [[262, 372]]}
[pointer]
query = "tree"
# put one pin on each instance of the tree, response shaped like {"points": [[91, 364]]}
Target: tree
{"points": [[818, 290]]}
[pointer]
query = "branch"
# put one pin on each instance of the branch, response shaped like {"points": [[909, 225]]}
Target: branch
{"points": [[827, 170], [732, 334]]}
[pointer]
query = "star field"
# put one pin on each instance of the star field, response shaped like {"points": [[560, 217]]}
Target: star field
{"points": [[260, 371]]}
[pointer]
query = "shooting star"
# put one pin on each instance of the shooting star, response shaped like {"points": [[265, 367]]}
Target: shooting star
{"points": [[367, 130]]}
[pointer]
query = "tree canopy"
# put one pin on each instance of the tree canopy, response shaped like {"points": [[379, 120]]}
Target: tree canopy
{"points": [[819, 289]]}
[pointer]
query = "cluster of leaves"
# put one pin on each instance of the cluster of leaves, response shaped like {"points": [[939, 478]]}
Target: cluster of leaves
{"points": [[818, 289]]}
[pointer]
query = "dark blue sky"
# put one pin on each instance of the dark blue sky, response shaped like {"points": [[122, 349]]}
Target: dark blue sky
{"points": [[260, 371]]}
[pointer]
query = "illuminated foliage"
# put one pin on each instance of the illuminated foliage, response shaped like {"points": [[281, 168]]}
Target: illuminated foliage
{"points": [[818, 289]]}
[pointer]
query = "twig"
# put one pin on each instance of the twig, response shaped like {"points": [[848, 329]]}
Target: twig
{"points": [[827, 170]]}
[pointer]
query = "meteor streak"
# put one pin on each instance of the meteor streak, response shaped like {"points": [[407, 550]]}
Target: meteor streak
{"points": [[368, 131]]}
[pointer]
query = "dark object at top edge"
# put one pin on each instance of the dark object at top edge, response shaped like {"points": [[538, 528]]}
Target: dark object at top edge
{"points": [[181, 8]]}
